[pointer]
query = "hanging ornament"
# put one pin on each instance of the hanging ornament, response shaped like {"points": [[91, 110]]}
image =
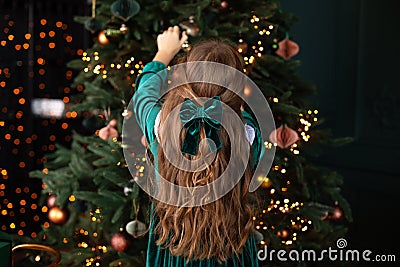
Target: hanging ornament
{"points": [[120, 242], [112, 33], [102, 38], [51, 201], [224, 4], [337, 215], [223, 7], [123, 29], [190, 27], [283, 136], [125, 9], [109, 131], [287, 49], [92, 24], [241, 46], [58, 215], [135, 228]]}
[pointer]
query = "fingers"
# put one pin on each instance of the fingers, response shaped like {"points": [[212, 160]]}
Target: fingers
{"points": [[174, 29], [184, 38]]}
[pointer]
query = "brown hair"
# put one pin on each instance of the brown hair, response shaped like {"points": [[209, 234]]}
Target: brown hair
{"points": [[219, 229]]}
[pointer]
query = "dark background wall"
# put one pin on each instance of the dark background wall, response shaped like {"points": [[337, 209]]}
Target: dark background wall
{"points": [[349, 49]]}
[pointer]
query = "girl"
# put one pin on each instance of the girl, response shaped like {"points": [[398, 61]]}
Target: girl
{"points": [[219, 233]]}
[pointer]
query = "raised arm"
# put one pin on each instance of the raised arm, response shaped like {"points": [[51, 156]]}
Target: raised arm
{"points": [[149, 83]]}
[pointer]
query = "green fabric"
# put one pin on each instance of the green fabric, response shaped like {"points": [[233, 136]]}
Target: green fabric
{"points": [[146, 106], [5, 250], [192, 116]]}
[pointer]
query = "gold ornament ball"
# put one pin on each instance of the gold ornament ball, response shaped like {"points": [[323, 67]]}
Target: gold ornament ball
{"points": [[283, 234], [58, 215], [102, 38]]}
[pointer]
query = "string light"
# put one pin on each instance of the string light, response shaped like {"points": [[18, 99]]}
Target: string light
{"points": [[103, 69], [306, 121], [48, 37]]}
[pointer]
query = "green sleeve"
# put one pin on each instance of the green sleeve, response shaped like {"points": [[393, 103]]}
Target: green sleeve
{"points": [[146, 100]]}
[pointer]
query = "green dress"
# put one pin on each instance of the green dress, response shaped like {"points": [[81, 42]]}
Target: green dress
{"points": [[146, 107]]}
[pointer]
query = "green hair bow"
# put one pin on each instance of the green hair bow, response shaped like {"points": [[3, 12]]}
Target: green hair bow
{"points": [[192, 116]]}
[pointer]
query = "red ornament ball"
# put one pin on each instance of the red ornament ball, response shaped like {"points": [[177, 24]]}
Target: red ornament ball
{"points": [[337, 214], [120, 242], [224, 4], [58, 215]]}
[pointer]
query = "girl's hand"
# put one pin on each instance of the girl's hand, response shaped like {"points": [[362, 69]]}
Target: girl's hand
{"points": [[169, 44]]}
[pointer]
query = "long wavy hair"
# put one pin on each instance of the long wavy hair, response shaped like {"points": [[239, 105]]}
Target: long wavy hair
{"points": [[219, 229]]}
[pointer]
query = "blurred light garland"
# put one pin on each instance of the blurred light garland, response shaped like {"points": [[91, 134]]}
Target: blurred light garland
{"points": [[94, 65]]}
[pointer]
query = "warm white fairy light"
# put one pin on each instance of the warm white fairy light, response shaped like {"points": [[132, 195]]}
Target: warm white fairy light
{"points": [[251, 60], [305, 120], [102, 69], [263, 30]]}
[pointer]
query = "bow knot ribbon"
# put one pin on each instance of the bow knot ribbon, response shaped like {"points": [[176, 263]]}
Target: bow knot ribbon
{"points": [[192, 117]]}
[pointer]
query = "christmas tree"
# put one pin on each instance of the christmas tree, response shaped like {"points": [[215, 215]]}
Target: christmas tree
{"points": [[99, 215]]}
